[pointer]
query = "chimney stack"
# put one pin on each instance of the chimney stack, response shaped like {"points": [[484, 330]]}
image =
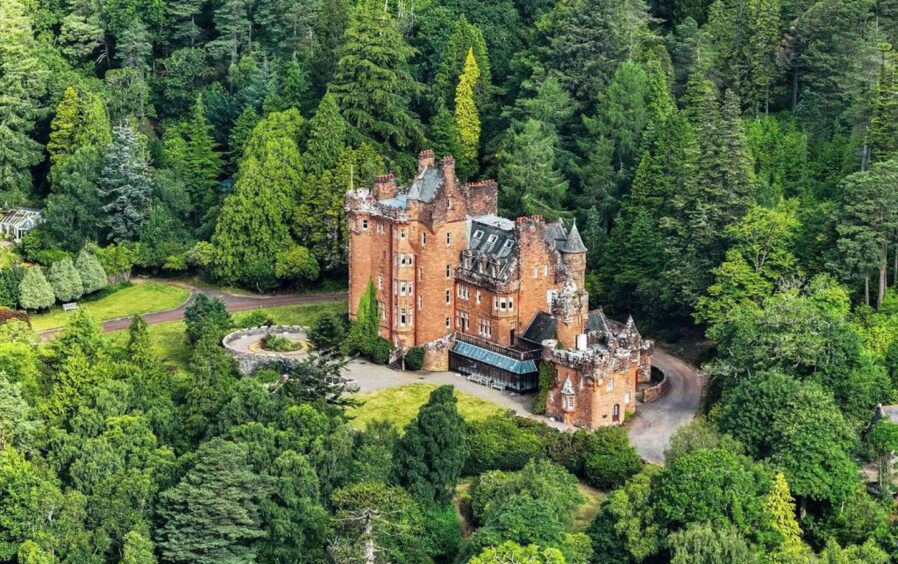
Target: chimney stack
{"points": [[425, 159], [384, 187], [449, 166]]}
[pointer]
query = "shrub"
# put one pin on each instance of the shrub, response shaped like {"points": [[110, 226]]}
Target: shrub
{"points": [[414, 358], [328, 331], [204, 314], [279, 343], [7, 314], [93, 276], [256, 318], [500, 443], [609, 459], [65, 280], [10, 279], [381, 352], [34, 290], [547, 376]]}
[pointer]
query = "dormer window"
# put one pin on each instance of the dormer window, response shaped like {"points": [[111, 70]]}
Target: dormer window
{"points": [[492, 238], [508, 244], [478, 234]]}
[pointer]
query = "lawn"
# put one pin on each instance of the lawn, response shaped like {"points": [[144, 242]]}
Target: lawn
{"points": [[119, 301], [400, 405], [586, 513], [301, 314]]}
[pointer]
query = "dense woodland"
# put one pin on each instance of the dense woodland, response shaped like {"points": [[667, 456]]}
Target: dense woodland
{"points": [[733, 166]]}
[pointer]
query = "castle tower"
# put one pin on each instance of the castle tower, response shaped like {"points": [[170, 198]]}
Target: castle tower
{"points": [[570, 307], [573, 253]]}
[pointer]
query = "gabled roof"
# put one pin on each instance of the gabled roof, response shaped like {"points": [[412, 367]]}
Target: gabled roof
{"points": [[541, 328], [424, 186]]}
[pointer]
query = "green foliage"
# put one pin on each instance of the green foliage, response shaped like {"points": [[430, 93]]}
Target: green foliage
{"points": [[93, 276], [65, 281], [296, 263], [34, 290], [548, 375], [204, 315], [126, 185], [467, 122], [278, 343], [702, 543], [501, 443], [609, 459], [429, 457], [365, 329], [511, 552], [328, 332], [137, 550], [414, 358]]}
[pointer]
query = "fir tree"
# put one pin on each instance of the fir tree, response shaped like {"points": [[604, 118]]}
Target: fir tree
{"points": [[884, 122], [429, 457], [465, 38], [65, 281], [241, 132], [372, 84], [528, 174], [444, 133], [466, 119], [203, 161], [780, 513], [327, 136], [126, 185], [34, 290], [93, 277]]}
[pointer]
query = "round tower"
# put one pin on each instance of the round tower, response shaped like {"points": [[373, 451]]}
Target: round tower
{"points": [[573, 253]]}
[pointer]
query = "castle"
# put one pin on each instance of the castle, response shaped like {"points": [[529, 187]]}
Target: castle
{"points": [[489, 297]]}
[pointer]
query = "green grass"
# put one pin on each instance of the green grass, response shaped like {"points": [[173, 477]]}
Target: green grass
{"points": [[400, 405], [119, 301], [586, 513], [301, 314]]}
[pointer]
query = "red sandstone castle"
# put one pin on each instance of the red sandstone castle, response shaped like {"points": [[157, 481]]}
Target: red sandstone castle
{"points": [[489, 297]]}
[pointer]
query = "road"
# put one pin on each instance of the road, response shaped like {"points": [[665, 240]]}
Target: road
{"points": [[234, 303], [650, 430], [656, 422]]}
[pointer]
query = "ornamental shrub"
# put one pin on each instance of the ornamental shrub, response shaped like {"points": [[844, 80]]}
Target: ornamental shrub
{"points": [[93, 276], [65, 280], [414, 358], [7, 314], [328, 331], [380, 354], [34, 291]]}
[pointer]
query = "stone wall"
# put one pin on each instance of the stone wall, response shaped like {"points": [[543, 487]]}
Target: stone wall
{"points": [[657, 389], [249, 362]]}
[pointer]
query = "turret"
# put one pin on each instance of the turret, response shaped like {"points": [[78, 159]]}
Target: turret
{"points": [[573, 253]]}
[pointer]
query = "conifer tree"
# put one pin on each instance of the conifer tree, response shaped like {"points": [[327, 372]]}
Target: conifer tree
{"points": [[241, 132], [64, 127], [465, 38], [34, 290], [327, 136], [444, 133], [466, 119], [203, 161], [253, 226], [884, 122], [780, 513], [65, 281], [93, 126], [23, 83], [126, 185], [93, 277], [372, 84], [528, 174], [430, 455]]}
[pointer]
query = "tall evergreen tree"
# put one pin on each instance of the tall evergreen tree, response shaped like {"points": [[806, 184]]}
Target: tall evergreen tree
{"points": [[365, 330], [429, 457], [884, 121], [327, 136], [254, 223], [466, 119], [34, 290], [528, 173], [126, 185], [65, 280], [63, 127], [373, 85], [465, 38]]}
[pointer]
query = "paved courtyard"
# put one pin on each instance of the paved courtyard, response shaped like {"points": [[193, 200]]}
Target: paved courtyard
{"points": [[649, 431]]}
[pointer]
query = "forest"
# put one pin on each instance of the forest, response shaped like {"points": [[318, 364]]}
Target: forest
{"points": [[731, 164]]}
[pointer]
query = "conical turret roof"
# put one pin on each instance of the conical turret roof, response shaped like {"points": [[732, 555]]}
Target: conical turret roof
{"points": [[574, 243]]}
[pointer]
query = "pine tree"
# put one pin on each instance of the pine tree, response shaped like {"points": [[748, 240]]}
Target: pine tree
{"points": [[466, 119], [93, 126], [65, 281], [373, 86], [327, 136], [235, 30], [430, 455], [34, 290], [253, 226], [780, 514], [126, 185], [93, 277], [63, 127], [241, 132], [139, 347], [444, 133], [365, 330]]}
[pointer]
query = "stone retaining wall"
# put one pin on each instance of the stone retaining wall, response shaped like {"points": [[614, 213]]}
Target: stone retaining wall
{"points": [[655, 391], [249, 362]]}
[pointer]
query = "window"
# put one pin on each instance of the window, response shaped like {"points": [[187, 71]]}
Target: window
{"points": [[380, 282], [485, 329], [402, 233], [463, 291], [546, 270], [478, 296], [508, 244], [420, 273], [449, 203], [380, 227], [535, 272], [461, 320], [478, 234], [420, 302], [568, 403], [448, 296], [364, 225], [382, 310], [423, 239], [448, 238], [627, 398], [610, 384], [402, 316], [448, 322], [448, 271], [491, 239], [510, 304]]}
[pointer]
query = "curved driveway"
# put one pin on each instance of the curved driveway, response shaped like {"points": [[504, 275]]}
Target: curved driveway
{"points": [[650, 430]]}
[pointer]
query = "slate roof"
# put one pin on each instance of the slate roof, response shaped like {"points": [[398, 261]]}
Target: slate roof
{"points": [[494, 359], [491, 239], [424, 186], [541, 328], [574, 243]]}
